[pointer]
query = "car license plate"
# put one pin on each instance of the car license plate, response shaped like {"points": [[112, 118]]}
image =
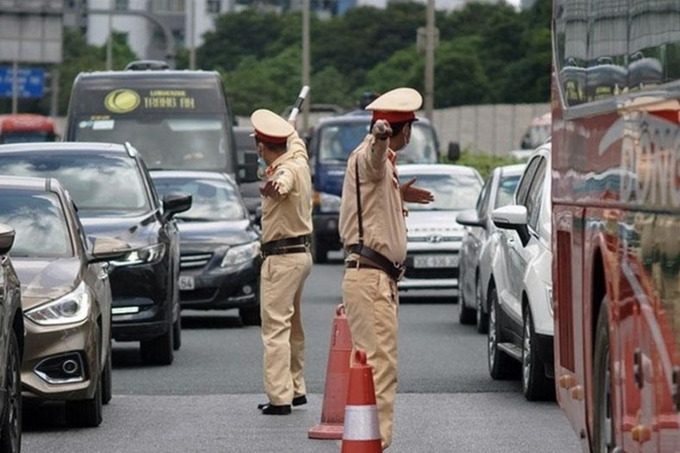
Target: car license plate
{"points": [[434, 261], [186, 283]]}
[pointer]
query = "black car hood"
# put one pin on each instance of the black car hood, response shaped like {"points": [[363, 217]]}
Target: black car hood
{"points": [[130, 228], [227, 232], [46, 279]]}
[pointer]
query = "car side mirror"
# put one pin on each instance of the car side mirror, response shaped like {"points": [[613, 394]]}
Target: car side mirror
{"points": [[107, 249], [7, 235], [453, 151], [176, 202], [470, 218], [248, 170], [512, 217]]}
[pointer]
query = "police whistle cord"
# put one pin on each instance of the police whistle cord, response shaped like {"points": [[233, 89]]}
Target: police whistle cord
{"points": [[298, 103]]}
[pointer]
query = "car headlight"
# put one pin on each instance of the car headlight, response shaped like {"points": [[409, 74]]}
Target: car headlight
{"points": [[551, 303], [150, 254], [240, 254], [72, 308], [327, 202]]}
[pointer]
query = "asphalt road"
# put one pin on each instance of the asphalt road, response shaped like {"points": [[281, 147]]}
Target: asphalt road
{"points": [[206, 400]]}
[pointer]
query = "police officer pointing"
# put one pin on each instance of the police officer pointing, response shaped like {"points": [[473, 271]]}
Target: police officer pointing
{"points": [[286, 229], [373, 232]]}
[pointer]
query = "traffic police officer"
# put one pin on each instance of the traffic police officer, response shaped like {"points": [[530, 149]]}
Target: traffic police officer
{"points": [[373, 232], [286, 228]]}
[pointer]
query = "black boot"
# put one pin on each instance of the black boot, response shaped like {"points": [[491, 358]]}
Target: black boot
{"points": [[273, 409]]}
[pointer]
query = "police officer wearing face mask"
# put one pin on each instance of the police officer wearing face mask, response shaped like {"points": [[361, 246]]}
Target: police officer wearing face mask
{"points": [[286, 233]]}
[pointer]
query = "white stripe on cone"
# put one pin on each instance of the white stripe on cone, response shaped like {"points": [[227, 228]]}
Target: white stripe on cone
{"points": [[361, 423]]}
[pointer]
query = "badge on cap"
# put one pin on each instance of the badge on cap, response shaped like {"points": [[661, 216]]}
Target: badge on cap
{"points": [[270, 127]]}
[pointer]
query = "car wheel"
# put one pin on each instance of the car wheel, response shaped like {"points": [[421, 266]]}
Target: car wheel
{"points": [[250, 316], [501, 365], [10, 431], [603, 422], [107, 385], [482, 316], [159, 350], [177, 334], [86, 413], [466, 315], [535, 384]]}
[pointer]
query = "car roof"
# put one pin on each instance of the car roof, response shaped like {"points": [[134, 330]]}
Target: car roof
{"points": [[151, 74], [114, 148], [190, 174], [434, 169], [78, 147]]}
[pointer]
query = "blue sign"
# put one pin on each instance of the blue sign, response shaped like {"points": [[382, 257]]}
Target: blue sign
{"points": [[30, 82]]}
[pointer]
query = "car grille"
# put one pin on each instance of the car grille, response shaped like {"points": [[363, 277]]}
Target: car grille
{"points": [[194, 260], [201, 294], [431, 273]]}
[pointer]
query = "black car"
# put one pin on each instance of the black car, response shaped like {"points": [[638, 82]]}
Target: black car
{"points": [[115, 196], [11, 347], [220, 245]]}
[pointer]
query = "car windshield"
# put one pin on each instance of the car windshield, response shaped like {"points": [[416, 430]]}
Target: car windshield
{"points": [[170, 143], [337, 141], [452, 192], [506, 190], [39, 223], [95, 181], [211, 199]]}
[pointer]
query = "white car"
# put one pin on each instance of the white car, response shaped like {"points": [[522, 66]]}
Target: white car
{"points": [[479, 243], [520, 294], [434, 237]]}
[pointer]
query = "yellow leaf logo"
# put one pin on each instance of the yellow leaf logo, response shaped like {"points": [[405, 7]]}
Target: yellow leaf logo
{"points": [[121, 101]]}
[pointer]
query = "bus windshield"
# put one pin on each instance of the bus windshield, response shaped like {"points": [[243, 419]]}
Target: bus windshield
{"points": [[172, 142]]}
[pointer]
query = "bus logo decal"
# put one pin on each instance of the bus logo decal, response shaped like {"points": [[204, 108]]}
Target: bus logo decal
{"points": [[122, 101]]}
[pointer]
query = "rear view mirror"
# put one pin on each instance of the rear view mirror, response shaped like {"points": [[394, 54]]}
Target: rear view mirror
{"points": [[107, 249], [470, 218], [6, 239], [248, 169], [454, 151], [512, 217], [176, 202]]}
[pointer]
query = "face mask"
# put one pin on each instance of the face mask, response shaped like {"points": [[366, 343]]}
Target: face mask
{"points": [[261, 163]]}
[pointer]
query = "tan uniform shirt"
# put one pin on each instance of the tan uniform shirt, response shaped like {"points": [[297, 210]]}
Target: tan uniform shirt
{"points": [[381, 203], [290, 215]]}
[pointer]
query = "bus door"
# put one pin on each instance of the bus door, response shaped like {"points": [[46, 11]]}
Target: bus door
{"points": [[568, 293]]}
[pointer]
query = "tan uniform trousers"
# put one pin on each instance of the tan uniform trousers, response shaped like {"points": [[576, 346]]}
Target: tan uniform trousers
{"points": [[282, 279], [371, 304]]}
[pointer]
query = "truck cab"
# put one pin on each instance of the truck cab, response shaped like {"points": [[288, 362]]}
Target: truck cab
{"points": [[329, 145]]}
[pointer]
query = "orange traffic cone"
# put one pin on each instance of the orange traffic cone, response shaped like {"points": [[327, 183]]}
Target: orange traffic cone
{"points": [[337, 379], [362, 427]]}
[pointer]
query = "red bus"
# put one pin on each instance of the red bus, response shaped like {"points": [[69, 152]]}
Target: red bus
{"points": [[616, 221], [26, 127]]}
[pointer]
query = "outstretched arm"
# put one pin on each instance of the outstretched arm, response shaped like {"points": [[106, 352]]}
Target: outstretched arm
{"points": [[412, 194]]}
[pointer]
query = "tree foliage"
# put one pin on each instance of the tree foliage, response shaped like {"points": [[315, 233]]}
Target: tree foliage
{"points": [[487, 53]]}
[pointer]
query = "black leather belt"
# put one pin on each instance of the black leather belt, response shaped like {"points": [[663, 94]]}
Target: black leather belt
{"points": [[283, 251], [297, 244], [394, 270]]}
